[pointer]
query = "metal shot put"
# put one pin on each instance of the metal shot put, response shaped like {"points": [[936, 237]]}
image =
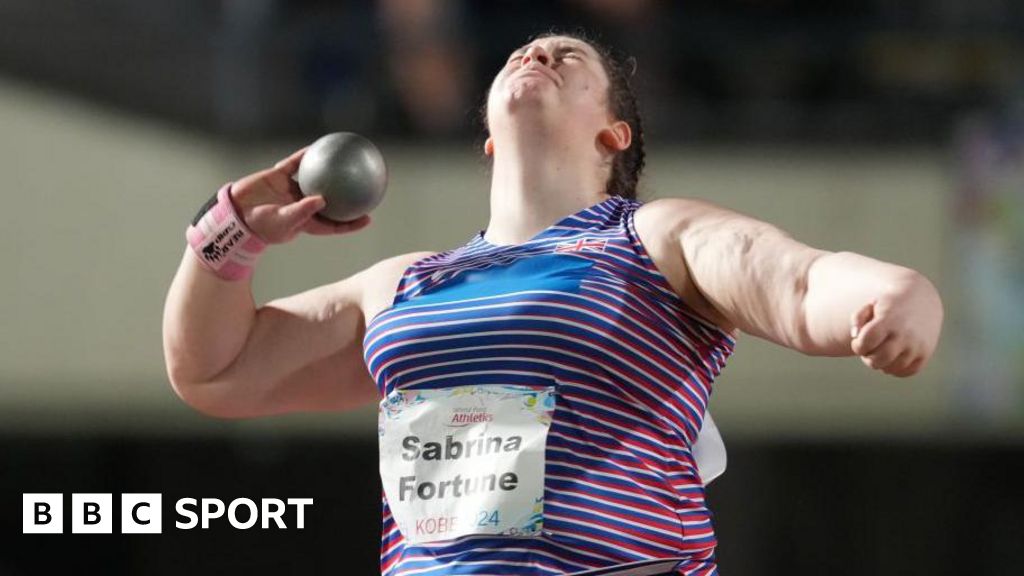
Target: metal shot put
{"points": [[348, 171]]}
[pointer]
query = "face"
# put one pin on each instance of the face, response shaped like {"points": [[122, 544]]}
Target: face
{"points": [[557, 80]]}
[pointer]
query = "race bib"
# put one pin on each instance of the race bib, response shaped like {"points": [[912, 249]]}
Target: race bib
{"points": [[465, 460]]}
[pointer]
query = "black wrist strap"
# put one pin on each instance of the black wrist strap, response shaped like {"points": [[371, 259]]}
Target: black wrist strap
{"points": [[206, 208]]}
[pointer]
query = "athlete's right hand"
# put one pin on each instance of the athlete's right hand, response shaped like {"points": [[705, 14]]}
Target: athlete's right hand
{"points": [[273, 207]]}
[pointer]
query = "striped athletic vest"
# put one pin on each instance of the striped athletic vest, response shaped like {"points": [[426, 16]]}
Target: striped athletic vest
{"points": [[580, 307]]}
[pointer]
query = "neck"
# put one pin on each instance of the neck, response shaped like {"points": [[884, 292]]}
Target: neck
{"points": [[537, 180]]}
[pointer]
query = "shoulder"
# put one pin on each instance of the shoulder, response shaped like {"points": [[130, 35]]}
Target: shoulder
{"points": [[661, 226], [378, 283], [388, 271], [677, 211], [397, 263], [665, 223]]}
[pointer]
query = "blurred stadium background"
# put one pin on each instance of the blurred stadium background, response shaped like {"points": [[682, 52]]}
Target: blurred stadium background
{"points": [[890, 128]]}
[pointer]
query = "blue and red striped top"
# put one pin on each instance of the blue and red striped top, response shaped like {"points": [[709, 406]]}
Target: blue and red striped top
{"points": [[580, 307]]}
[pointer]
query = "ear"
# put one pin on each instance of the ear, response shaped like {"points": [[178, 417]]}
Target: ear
{"points": [[616, 137], [489, 146]]}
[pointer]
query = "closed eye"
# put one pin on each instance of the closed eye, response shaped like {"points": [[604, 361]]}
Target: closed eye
{"points": [[559, 54], [564, 53]]}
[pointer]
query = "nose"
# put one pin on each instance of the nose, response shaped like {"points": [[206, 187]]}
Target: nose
{"points": [[538, 53]]}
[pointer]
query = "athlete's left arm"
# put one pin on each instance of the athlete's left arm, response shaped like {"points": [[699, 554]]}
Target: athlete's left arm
{"points": [[765, 283]]}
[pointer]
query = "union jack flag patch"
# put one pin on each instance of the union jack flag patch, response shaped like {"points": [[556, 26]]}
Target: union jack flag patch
{"points": [[582, 245]]}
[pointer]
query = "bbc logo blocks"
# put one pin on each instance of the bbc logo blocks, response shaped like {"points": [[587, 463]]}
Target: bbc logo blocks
{"points": [[91, 514], [142, 513], [42, 513]]}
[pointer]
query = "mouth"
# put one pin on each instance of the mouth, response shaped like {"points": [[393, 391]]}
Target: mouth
{"points": [[538, 70]]}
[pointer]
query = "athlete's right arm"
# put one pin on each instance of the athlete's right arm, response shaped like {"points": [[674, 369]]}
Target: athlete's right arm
{"points": [[229, 358]]}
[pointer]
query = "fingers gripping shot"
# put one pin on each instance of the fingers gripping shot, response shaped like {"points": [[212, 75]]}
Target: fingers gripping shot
{"points": [[543, 387], [345, 179]]}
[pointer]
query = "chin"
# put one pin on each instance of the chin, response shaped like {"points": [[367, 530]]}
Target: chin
{"points": [[527, 96]]}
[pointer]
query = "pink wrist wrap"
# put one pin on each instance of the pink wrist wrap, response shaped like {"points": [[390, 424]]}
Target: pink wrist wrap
{"points": [[222, 241]]}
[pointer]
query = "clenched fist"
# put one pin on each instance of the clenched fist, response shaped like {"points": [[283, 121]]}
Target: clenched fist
{"points": [[898, 332]]}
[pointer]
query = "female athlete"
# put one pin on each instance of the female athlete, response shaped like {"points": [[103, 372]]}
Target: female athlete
{"points": [[541, 386]]}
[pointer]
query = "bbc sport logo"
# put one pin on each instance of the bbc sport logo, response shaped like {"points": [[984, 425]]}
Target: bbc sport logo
{"points": [[92, 513]]}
